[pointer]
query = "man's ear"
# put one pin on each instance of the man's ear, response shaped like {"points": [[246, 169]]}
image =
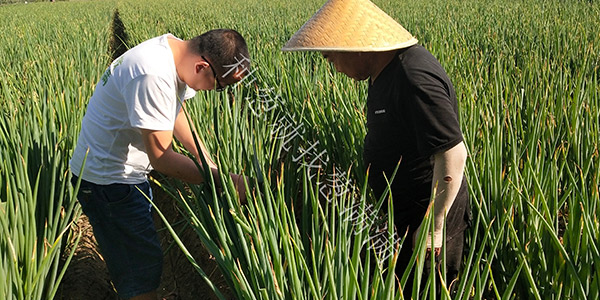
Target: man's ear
{"points": [[240, 73], [198, 66]]}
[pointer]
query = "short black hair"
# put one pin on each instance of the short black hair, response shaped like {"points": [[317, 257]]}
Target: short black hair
{"points": [[224, 48]]}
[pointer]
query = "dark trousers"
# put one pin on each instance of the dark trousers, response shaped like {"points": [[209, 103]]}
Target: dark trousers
{"points": [[409, 219]]}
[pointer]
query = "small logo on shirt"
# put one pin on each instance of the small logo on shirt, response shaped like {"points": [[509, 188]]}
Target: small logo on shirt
{"points": [[109, 70], [381, 111]]}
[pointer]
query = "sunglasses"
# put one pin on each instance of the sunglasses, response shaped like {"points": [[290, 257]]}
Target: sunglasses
{"points": [[219, 87]]}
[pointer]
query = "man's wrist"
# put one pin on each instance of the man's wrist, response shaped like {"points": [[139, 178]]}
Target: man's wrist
{"points": [[215, 174]]}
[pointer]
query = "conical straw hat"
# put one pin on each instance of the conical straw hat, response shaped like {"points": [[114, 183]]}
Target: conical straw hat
{"points": [[350, 25]]}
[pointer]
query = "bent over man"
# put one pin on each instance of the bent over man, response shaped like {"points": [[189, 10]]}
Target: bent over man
{"points": [[412, 119], [131, 119]]}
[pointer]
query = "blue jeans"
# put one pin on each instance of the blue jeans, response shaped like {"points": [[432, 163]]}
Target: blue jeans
{"points": [[121, 217]]}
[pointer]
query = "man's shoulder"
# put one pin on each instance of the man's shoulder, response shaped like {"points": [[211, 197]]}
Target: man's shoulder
{"points": [[416, 57], [418, 65], [149, 59], [152, 52]]}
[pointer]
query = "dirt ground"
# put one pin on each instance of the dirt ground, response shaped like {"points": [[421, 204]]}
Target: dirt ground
{"points": [[87, 276]]}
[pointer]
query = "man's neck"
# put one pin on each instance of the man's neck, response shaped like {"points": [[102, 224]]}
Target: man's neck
{"points": [[178, 48], [380, 61]]}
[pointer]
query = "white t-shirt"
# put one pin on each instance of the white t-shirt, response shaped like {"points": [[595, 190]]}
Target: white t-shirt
{"points": [[139, 90]]}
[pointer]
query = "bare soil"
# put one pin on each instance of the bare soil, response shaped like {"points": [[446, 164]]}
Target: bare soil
{"points": [[87, 276]]}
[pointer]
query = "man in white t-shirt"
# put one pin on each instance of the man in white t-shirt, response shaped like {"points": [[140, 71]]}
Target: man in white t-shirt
{"points": [[127, 131]]}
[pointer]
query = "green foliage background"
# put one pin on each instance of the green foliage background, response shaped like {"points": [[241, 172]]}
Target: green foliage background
{"points": [[526, 74]]}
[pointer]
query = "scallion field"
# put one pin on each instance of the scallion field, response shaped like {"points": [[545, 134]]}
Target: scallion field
{"points": [[527, 77]]}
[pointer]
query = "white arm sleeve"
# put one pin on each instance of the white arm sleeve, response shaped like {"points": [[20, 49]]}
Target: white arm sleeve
{"points": [[448, 172]]}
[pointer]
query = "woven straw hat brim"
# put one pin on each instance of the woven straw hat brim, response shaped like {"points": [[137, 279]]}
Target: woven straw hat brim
{"points": [[350, 26]]}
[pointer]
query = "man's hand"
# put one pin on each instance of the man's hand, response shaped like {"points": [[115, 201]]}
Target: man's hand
{"points": [[437, 242], [240, 186]]}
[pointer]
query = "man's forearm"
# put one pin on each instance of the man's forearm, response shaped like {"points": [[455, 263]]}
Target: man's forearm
{"points": [[185, 135], [180, 166], [204, 153], [448, 172]]}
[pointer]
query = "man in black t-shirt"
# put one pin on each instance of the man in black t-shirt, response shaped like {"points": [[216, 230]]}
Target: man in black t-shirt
{"points": [[412, 120]]}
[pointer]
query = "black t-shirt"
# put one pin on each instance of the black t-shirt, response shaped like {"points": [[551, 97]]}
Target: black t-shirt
{"points": [[412, 114]]}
